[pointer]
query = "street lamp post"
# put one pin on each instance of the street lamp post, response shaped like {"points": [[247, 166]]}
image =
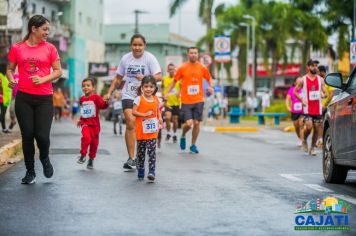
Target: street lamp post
{"points": [[253, 52], [247, 49], [137, 12]]}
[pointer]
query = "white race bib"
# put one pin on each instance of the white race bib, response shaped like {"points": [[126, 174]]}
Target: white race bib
{"points": [[132, 88], [88, 110], [193, 89], [314, 95], [297, 106], [117, 105], [150, 126]]}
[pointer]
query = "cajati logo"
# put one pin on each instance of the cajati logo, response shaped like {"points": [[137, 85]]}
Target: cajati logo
{"points": [[329, 213]]}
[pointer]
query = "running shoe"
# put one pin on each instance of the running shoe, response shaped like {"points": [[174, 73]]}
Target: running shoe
{"points": [[151, 176], [30, 178], [175, 139], [90, 164], [141, 174], [194, 149], [168, 137], [304, 146], [81, 159], [182, 143], [47, 167], [312, 151], [130, 164], [319, 143]]}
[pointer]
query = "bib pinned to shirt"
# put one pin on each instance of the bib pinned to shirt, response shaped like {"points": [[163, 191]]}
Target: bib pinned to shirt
{"points": [[150, 126], [88, 110], [193, 89]]}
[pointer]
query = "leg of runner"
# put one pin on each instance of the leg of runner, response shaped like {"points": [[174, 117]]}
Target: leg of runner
{"points": [[186, 127], [317, 126], [130, 138], [308, 126], [175, 127], [168, 117], [116, 117], [195, 133], [300, 128]]}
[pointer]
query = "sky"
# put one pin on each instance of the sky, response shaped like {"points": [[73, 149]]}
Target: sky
{"points": [[187, 25]]}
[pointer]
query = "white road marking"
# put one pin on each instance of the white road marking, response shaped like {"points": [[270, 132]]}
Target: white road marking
{"points": [[291, 177], [319, 188]]}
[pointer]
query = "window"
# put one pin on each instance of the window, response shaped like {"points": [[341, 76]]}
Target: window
{"points": [[33, 8], [122, 35], [43, 10]]}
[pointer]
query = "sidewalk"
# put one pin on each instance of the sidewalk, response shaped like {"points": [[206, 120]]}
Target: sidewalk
{"points": [[10, 145]]}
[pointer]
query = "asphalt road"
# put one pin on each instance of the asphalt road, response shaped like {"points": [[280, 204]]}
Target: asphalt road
{"points": [[240, 184]]}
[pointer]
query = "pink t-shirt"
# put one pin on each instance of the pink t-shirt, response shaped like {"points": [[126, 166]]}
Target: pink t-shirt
{"points": [[296, 104], [33, 61]]}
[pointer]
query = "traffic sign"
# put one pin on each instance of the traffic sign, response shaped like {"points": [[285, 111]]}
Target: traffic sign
{"points": [[205, 59], [222, 48], [353, 52]]}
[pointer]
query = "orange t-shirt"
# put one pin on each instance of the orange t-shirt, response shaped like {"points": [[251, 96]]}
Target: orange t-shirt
{"points": [[191, 77], [147, 127]]}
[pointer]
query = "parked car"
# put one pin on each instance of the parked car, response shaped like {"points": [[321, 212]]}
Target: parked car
{"points": [[339, 147], [280, 91]]}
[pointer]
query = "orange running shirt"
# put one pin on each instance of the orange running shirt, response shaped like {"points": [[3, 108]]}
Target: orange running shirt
{"points": [[191, 77], [147, 127]]}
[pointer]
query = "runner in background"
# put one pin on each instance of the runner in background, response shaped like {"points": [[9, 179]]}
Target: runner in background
{"points": [[295, 107], [132, 68], [313, 91], [171, 104], [191, 75], [117, 111]]}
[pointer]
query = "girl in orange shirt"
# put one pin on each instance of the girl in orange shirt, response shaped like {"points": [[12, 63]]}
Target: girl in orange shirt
{"points": [[145, 108]]}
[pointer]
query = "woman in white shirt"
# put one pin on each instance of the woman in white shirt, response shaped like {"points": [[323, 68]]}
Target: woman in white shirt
{"points": [[132, 68]]}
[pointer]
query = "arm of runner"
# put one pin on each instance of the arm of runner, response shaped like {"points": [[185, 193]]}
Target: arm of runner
{"points": [[115, 81], [170, 87], [102, 103], [324, 91], [158, 76], [56, 73], [288, 102], [10, 70], [296, 94], [140, 114]]}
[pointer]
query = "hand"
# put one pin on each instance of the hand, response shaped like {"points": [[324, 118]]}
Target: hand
{"points": [[36, 80], [149, 113], [165, 97], [12, 83], [211, 90], [160, 121], [139, 77], [304, 103], [78, 123], [106, 98]]}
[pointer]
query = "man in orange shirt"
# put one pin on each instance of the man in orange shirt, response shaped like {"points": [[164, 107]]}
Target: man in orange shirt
{"points": [[191, 75]]}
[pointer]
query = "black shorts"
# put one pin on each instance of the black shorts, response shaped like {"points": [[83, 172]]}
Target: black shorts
{"points": [[192, 111], [295, 116], [173, 109], [314, 118], [127, 104]]}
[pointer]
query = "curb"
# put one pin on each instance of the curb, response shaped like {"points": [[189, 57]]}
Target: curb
{"points": [[10, 150], [229, 129]]}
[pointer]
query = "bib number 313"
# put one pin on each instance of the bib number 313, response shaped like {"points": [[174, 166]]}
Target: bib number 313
{"points": [[150, 126]]}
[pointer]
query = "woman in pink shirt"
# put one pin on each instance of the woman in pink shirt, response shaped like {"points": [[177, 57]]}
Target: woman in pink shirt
{"points": [[35, 58], [295, 107]]}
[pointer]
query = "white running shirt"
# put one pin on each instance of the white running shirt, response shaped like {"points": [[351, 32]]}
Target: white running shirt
{"points": [[130, 66]]}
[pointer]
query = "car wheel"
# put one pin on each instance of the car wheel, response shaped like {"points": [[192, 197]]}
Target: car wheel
{"points": [[332, 172]]}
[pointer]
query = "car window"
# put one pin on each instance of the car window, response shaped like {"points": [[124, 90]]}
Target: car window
{"points": [[353, 82]]}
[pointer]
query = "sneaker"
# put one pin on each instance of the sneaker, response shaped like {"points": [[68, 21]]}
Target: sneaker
{"points": [[312, 151], [141, 174], [304, 146], [182, 143], [319, 143], [115, 132], [151, 176], [5, 131], [299, 143], [90, 164], [12, 124], [175, 139], [194, 149], [130, 164], [168, 137], [47, 168], [81, 159], [30, 178]]}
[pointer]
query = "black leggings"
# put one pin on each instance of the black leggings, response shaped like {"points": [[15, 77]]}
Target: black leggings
{"points": [[34, 114], [2, 116]]}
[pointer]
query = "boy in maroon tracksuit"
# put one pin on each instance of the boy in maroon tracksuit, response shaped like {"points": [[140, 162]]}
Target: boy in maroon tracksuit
{"points": [[90, 104]]}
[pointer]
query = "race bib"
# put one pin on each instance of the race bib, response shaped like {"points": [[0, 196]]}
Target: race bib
{"points": [[193, 89], [173, 91], [150, 126], [314, 95], [88, 110], [117, 105], [132, 88], [297, 106]]}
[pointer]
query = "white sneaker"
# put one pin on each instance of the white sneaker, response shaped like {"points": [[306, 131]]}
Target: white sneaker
{"points": [[312, 151], [304, 146]]}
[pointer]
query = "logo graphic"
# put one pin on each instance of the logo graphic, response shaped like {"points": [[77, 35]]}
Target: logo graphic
{"points": [[327, 214], [31, 65]]}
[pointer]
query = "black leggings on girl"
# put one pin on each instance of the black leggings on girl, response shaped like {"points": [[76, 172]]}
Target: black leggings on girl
{"points": [[150, 146], [34, 114]]}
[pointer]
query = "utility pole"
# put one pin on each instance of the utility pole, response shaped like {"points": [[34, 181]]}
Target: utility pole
{"points": [[137, 12]]}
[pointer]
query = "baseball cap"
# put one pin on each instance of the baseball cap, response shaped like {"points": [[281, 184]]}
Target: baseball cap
{"points": [[312, 62]]}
